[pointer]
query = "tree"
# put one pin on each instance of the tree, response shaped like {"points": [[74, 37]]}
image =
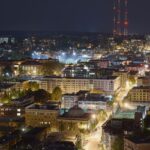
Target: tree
{"points": [[110, 103], [56, 94], [102, 115], [7, 71], [41, 96], [5, 98], [26, 86], [52, 68], [97, 91], [34, 86], [118, 143], [16, 93], [132, 79], [79, 142], [22, 71]]}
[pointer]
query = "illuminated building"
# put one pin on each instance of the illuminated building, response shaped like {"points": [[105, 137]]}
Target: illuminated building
{"points": [[70, 100], [109, 85], [17, 107], [143, 81], [30, 68], [94, 102], [37, 115], [140, 94], [140, 68], [8, 87], [74, 120], [114, 128], [102, 63], [78, 71], [89, 102], [123, 123], [4, 40]]}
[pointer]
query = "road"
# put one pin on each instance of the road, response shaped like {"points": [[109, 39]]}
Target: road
{"points": [[122, 94], [94, 138], [92, 142]]}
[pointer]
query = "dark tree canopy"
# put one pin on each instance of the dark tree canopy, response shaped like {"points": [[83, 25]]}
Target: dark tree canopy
{"points": [[56, 94], [41, 96], [52, 68]]}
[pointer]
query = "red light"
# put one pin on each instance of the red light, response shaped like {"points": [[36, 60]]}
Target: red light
{"points": [[126, 23]]}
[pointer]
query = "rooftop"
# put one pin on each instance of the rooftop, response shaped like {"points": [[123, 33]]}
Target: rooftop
{"points": [[101, 78], [75, 113], [5, 85], [142, 87], [95, 97], [31, 63], [47, 106], [140, 139], [124, 114]]}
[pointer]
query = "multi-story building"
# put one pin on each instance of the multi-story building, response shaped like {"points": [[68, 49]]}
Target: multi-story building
{"points": [[137, 143], [69, 100], [143, 81], [45, 115], [122, 123], [30, 68], [7, 87], [74, 120], [109, 85], [114, 129], [140, 94], [77, 71], [17, 107], [93, 102], [140, 68], [101, 63], [89, 102]]}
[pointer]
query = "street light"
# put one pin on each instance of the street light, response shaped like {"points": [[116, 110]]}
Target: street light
{"points": [[93, 116], [23, 129], [126, 105]]}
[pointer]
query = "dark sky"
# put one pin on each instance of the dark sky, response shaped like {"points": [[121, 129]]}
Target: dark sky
{"points": [[70, 15]]}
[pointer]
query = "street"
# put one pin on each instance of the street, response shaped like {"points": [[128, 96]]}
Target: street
{"points": [[94, 138], [92, 142]]}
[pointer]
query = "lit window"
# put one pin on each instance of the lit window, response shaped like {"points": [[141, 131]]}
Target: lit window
{"points": [[18, 110], [18, 114]]}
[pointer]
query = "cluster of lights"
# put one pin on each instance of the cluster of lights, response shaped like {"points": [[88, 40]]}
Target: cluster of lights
{"points": [[39, 55], [72, 58]]}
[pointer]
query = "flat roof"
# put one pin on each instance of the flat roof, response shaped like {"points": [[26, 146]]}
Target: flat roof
{"points": [[105, 77], [94, 97], [141, 87], [44, 106], [139, 139], [125, 114], [6, 85]]}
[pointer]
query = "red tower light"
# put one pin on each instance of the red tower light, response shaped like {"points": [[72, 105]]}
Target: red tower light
{"points": [[120, 20]]}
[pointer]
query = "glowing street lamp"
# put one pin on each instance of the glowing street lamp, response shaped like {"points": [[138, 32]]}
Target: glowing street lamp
{"points": [[93, 116], [23, 129]]}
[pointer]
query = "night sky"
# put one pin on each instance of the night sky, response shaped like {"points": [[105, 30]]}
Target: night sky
{"points": [[70, 15]]}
